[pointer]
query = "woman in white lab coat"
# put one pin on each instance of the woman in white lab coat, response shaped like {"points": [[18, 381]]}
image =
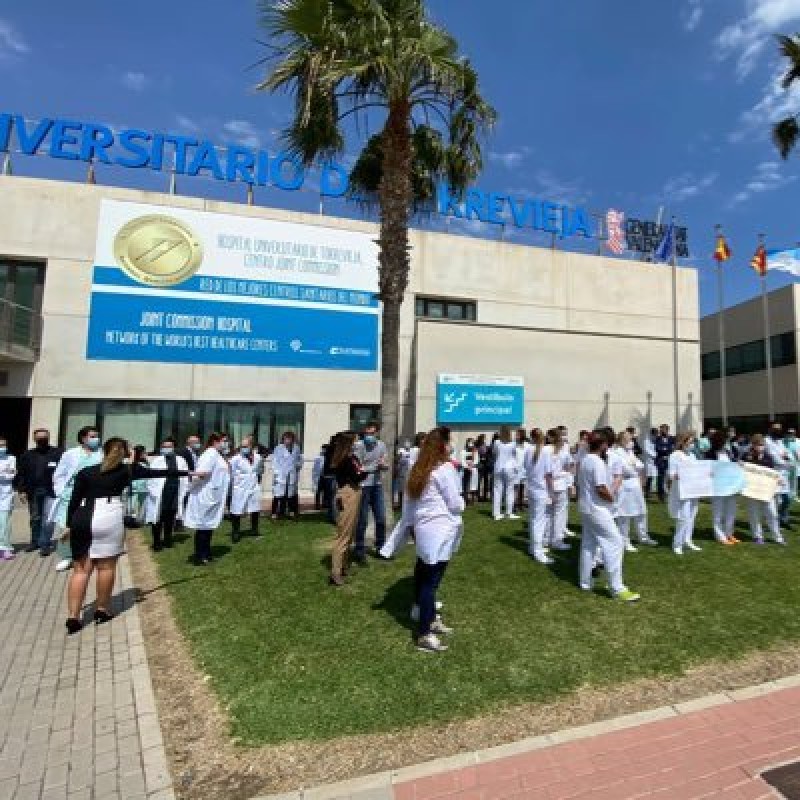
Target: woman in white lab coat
{"points": [[723, 509], [630, 505], [649, 458], [539, 479], [165, 498], [287, 462], [207, 494], [563, 480], [506, 470], [246, 495], [683, 512], [8, 469], [436, 506]]}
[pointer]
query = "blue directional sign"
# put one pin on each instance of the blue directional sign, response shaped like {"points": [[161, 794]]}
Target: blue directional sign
{"points": [[480, 400]]}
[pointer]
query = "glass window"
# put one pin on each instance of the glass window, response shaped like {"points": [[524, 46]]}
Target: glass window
{"points": [[286, 417], [435, 309], [419, 307], [77, 414], [753, 357], [135, 421], [443, 308], [733, 360], [361, 416], [711, 366], [455, 311], [782, 349]]}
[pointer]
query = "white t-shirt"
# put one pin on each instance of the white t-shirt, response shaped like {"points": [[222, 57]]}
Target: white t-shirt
{"points": [[537, 468], [505, 457], [593, 472]]}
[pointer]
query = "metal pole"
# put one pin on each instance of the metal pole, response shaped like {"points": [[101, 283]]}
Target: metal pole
{"points": [[723, 388], [768, 349], [677, 396]]}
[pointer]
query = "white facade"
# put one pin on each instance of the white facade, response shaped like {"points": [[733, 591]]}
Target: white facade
{"points": [[592, 336]]}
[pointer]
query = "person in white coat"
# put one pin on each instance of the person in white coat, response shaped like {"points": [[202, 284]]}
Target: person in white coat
{"points": [[597, 492], [165, 498], [683, 512], [504, 452], [246, 494], [523, 445], [563, 481], [287, 462], [435, 506], [723, 509], [401, 533], [759, 454], [630, 506], [207, 494], [649, 458], [539, 480], [8, 471], [86, 454]]}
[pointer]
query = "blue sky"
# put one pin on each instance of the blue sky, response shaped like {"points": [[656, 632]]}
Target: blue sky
{"points": [[627, 104]]}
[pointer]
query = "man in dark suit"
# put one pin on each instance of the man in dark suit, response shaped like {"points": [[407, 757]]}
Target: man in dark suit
{"points": [[190, 453], [665, 444]]}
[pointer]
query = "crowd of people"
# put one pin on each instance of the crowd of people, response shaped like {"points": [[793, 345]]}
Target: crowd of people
{"points": [[82, 499]]}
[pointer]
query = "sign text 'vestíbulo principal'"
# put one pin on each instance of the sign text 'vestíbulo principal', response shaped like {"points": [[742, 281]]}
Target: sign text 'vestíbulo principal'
{"points": [[135, 148]]}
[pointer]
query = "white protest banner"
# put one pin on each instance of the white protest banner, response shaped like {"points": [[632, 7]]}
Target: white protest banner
{"points": [[762, 483], [695, 479]]}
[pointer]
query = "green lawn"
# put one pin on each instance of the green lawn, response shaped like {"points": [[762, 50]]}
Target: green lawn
{"points": [[294, 659]]}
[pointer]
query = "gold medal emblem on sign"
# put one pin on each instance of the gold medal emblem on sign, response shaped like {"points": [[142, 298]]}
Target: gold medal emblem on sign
{"points": [[158, 250]]}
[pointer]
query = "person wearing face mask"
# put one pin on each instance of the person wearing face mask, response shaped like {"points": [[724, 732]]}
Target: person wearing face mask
{"points": [[139, 487], [539, 478], [246, 496], [760, 455], [723, 509], [504, 452], [469, 475], [684, 512], [34, 482], [792, 446], [597, 492], [649, 458], [783, 465], [372, 455], [166, 496], [287, 461], [8, 471], [208, 491], [563, 481], [189, 453], [631, 506], [95, 520], [86, 454], [316, 478], [402, 458]]}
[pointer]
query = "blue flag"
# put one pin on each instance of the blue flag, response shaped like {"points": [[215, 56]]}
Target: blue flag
{"points": [[666, 247]]}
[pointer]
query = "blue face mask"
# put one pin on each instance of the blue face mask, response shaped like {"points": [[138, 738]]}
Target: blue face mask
{"points": [[93, 442], [197, 446], [245, 451], [167, 451], [370, 439], [3, 450]]}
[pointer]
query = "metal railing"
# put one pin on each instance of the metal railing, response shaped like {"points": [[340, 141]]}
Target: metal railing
{"points": [[20, 331]]}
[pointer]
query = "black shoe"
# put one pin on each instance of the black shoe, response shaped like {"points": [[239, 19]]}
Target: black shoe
{"points": [[200, 562], [31, 548], [101, 617], [157, 548], [168, 543], [236, 537], [361, 561], [45, 551], [73, 625], [597, 570]]}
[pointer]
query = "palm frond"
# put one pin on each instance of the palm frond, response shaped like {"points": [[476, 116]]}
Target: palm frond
{"points": [[785, 135], [790, 49]]}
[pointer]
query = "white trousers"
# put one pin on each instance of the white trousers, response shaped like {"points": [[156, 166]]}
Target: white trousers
{"points": [[538, 521], [684, 527], [755, 510], [557, 518], [503, 485], [624, 527], [723, 516], [599, 530]]}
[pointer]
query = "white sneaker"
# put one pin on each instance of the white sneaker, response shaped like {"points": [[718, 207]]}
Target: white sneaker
{"points": [[569, 533], [649, 541], [498, 518], [629, 548], [430, 644], [544, 559], [514, 516], [438, 627], [678, 551], [63, 565], [693, 546]]}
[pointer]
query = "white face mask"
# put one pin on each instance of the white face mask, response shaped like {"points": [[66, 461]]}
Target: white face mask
{"points": [[629, 446]]}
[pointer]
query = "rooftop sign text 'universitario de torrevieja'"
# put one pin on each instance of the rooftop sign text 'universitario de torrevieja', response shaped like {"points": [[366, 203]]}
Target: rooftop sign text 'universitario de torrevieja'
{"points": [[187, 155]]}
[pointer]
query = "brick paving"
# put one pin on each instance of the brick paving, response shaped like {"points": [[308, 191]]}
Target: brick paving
{"points": [[78, 719]]}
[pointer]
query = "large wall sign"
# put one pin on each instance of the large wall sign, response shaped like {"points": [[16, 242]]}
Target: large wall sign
{"points": [[479, 400], [175, 285]]}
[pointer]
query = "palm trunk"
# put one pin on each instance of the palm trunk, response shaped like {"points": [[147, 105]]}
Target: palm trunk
{"points": [[395, 194]]}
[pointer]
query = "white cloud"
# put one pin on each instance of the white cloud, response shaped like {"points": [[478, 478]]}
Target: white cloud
{"points": [[768, 177], [552, 187], [775, 103], [511, 158], [135, 81], [746, 38], [11, 42], [187, 124], [687, 185], [693, 14], [242, 132]]}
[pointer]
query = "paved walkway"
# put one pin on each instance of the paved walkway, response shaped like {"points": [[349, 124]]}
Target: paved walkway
{"points": [[715, 747], [78, 718]]}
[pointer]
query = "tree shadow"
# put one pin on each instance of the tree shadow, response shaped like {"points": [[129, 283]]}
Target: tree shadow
{"points": [[397, 602]]}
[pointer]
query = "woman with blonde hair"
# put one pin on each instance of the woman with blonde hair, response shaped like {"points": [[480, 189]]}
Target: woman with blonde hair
{"points": [[96, 526], [435, 513], [349, 477], [539, 478], [504, 452], [683, 512]]}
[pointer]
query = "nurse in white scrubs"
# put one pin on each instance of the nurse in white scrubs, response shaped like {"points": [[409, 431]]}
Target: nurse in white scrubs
{"points": [[287, 462], [504, 451], [207, 495], [8, 470], [563, 481], [723, 509], [631, 507], [539, 479], [246, 494], [684, 512]]}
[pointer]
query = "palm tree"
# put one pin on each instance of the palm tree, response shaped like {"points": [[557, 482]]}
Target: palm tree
{"points": [[786, 132], [339, 58]]}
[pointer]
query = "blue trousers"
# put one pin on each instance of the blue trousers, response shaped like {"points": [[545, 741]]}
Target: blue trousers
{"points": [[784, 504], [427, 579], [41, 529], [371, 498]]}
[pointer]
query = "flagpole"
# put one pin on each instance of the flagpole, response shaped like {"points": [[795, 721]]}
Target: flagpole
{"points": [[677, 396], [723, 387], [767, 342]]}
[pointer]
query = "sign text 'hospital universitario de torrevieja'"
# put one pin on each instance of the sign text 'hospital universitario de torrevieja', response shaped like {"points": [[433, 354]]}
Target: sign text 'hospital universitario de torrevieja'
{"points": [[234, 163]]}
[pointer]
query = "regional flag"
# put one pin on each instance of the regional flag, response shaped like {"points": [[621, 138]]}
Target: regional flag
{"points": [[721, 252], [787, 260], [759, 261]]}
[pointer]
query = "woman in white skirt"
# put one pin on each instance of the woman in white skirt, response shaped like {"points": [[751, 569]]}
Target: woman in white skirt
{"points": [[630, 506], [96, 526], [246, 495], [683, 512]]}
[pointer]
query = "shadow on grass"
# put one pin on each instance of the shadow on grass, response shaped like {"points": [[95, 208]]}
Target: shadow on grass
{"points": [[565, 562], [397, 602]]}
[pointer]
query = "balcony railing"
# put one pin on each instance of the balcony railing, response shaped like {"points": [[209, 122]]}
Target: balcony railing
{"points": [[20, 331]]}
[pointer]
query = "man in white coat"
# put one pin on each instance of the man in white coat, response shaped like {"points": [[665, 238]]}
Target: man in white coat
{"points": [[596, 494], [165, 500], [287, 461], [246, 494]]}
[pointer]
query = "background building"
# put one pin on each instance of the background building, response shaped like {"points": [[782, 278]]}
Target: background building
{"points": [[590, 337], [746, 362]]}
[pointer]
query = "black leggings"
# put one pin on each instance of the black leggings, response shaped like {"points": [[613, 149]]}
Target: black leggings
{"points": [[427, 578], [202, 544], [236, 521], [282, 505], [165, 526]]}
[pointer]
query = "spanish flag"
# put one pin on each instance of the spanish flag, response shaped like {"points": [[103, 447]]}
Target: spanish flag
{"points": [[722, 252], [759, 261]]}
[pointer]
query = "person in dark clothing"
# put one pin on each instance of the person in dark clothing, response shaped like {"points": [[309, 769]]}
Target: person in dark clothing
{"points": [[95, 521], [328, 483], [34, 481], [664, 444], [349, 476], [165, 496]]}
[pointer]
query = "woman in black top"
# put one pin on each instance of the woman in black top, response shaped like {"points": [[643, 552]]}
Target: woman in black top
{"points": [[95, 520], [349, 476]]}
